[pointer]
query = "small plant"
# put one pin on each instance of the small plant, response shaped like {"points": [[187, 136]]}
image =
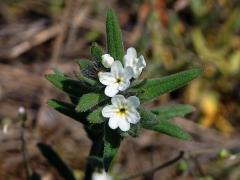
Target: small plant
{"points": [[107, 98]]}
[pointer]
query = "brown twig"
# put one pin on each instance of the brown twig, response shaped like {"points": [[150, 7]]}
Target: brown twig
{"points": [[162, 166]]}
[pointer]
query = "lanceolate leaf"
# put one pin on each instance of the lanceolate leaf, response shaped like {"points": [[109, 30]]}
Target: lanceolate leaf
{"points": [[114, 36], [90, 100], [112, 140], [148, 119], [96, 52], [170, 129], [84, 63], [67, 109], [171, 111], [70, 86], [96, 117], [55, 160], [150, 89]]}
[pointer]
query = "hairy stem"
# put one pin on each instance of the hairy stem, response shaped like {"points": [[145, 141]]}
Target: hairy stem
{"points": [[96, 150]]}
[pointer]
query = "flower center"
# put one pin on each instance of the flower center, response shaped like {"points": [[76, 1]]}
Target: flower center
{"points": [[122, 111], [119, 80]]}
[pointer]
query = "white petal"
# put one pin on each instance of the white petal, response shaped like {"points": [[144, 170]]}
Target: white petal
{"points": [[141, 62], [111, 90], [117, 69], [113, 122], [109, 111], [106, 78], [130, 58], [107, 60], [133, 116], [123, 124], [133, 101], [128, 72], [118, 100], [124, 85]]}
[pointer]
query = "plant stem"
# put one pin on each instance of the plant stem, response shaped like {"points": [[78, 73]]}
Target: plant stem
{"points": [[96, 150], [24, 151]]}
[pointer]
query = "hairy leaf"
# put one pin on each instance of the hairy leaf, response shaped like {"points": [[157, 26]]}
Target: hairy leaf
{"points": [[97, 52], [148, 119], [90, 100], [170, 129], [171, 111], [67, 109], [84, 63], [55, 160], [70, 86], [114, 36], [150, 89], [96, 117]]}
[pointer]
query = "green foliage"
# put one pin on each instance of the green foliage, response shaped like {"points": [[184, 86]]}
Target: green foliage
{"points": [[55, 160], [70, 86], [97, 52], [96, 117], [84, 63], [112, 141], [171, 111], [148, 90], [90, 100], [152, 122], [114, 36], [67, 109], [148, 119], [170, 129]]}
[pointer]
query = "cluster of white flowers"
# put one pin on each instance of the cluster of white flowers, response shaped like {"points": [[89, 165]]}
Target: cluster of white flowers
{"points": [[123, 111]]}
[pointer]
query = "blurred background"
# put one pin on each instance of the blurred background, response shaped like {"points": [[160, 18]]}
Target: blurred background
{"points": [[173, 35]]}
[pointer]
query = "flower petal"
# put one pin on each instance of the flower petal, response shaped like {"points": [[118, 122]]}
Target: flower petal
{"points": [[130, 58], [106, 78], [109, 111], [107, 60], [111, 90], [128, 73], [141, 62], [117, 69], [123, 124], [118, 100], [133, 101], [133, 116], [124, 85], [113, 122]]}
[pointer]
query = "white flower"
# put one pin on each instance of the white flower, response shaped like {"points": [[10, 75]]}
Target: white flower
{"points": [[122, 112], [101, 176], [136, 63], [116, 80], [107, 60]]}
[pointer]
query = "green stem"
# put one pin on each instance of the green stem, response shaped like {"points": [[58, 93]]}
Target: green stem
{"points": [[96, 150]]}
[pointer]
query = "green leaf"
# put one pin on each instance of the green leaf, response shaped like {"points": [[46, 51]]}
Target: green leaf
{"points": [[84, 63], [114, 36], [112, 141], [67, 109], [97, 52], [148, 119], [55, 160], [96, 116], [171, 111], [70, 86], [90, 100], [170, 129], [148, 90]]}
